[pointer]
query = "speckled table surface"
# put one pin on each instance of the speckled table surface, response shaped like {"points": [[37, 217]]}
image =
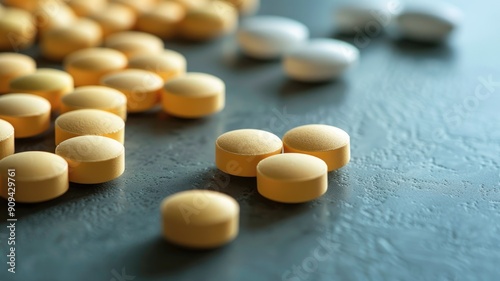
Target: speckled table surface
{"points": [[420, 199]]}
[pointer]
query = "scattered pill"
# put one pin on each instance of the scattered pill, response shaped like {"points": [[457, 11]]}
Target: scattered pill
{"points": [[114, 18], [39, 176], [292, 178], [58, 42], [84, 8], [89, 122], [133, 43], [137, 6], [13, 65], [193, 95], [28, 114], [238, 152], [51, 84], [17, 29], [245, 7], [362, 16], [168, 64], [88, 66], [328, 143], [200, 219], [269, 37], [320, 60], [6, 139], [162, 20], [142, 88], [92, 159], [96, 97]]}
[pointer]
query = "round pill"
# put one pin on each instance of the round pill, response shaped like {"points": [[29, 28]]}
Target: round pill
{"points": [[114, 18], [268, 37], [168, 64], [162, 20], [88, 66], [133, 43], [320, 60], [39, 176], [51, 84], [52, 14], [29, 114], [430, 22], [200, 219], [58, 42], [328, 143], [292, 178], [13, 65], [17, 29], [89, 122], [137, 6], [96, 97], [210, 21], [84, 8], [142, 88], [92, 159], [6, 139], [193, 95], [245, 7], [360, 16], [238, 152]]}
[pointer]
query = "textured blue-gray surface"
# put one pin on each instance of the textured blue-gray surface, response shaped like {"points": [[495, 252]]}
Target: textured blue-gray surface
{"points": [[420, 199]]}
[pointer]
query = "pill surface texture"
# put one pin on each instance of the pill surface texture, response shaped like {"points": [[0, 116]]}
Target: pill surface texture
{"points": [[39, 176], [17, 29], [238, 152], [200, 219], [92, 159], [193, 95], [6, 139], [168, 64], [13, 65], [292, 177], [133, 43], [268, 37], [96, 97], [28, 114], [89, 122], [320, 60], [329, 143]]}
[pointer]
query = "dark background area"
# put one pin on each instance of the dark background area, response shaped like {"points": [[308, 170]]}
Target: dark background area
{"points": [[420, 199]]}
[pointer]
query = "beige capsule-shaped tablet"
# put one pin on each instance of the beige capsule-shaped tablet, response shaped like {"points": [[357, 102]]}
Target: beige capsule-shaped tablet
{"points": [[92, 159], [162, 20], [245, 7], [6, 139], [84, 8], [17, 29], [133, 43], [37, 176], [88, 66], [51, 84], [329, 143], [96, 97], [168, 64], [114, 18], [210, 21], [200, 219], [238, 152], [13, 65], [142, 88], [56, 43], [29, 114], [89, 122], [193, 95], [292, 178]]}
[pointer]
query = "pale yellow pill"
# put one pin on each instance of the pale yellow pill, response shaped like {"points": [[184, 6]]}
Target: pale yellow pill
{"points": [[51, 84], [84, 8], [89, 122], [88, 66], [142, 88], [96, 97], [245, 7], [238, 152], [162, 20], [114, 18], [193, 95], [93, 159], [56, 43], [51, 14], [292, 178], [6, 139], [37, 176], [29, 114], [210, 21], [13, 65], [328, 143], [137, 6], [17, 29], [200, 219], [133, 43], [168, 64]]}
